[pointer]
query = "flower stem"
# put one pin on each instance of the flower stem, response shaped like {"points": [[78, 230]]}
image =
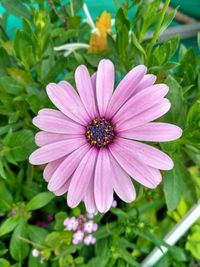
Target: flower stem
{"points": [[156, 32]]}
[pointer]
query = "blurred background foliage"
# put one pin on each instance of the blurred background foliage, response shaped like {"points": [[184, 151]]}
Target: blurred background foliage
{"points": [[28, 62]]}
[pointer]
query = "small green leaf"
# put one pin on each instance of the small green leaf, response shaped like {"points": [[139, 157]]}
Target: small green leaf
{"points": [[9, 225], [40, 201], [19, 249]]}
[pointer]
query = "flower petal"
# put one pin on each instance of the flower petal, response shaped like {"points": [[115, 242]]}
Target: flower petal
{"points": [[139, 171], [55, 151], [140, 102], [81, 178], [104, 84], [51, 168], [121, 182], [56, 125], [125, 89], [145, 116], [153, 131], [53, 113], [68, 101], [147, 80], [67, 168], [103, 189], [44, 138], [147, 154], [89, 200], [85, 89], [63, 189]]}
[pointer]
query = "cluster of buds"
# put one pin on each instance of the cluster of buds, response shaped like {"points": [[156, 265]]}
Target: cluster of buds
{"points": [[83, 227]]}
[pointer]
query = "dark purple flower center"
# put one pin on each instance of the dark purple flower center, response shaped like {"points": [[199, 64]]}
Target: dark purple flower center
{"points": [[100, 132]]}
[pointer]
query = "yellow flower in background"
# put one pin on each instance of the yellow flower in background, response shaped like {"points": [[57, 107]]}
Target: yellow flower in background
{"points": [[98, 39]]}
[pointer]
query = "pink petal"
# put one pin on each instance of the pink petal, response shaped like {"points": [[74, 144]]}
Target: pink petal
{"points": [[63, 189], [51, 168], [147, 154], [146, 116], [103, 189], [147, 80], [121, 182], [125, 89], [139, 171], [104, 84], [93, 80], [44, 138], [55, 151], [56, 125], [89, 200], [81, 178], [52, 113], [85, 89], [67, 168], [153, 131], [141, 102], [68, 101]]}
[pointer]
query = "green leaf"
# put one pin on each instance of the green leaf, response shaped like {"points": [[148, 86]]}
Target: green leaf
{"points": [[193, 153], [167, 21], [6, 198], [19, 145], [193, 117], [59, 218], [177, 112], [16, 8], [137, 44], [9, 225], [37, 234], [4, 263], [10, 86], [23, 47], [40, 201], [19, 249], [121, 20], [178, 182], [177, 253]]}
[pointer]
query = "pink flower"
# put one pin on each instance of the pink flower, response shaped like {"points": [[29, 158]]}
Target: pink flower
{"points": [[78, 236], [71, 223], [35, 252], [89, 239], [91, 143], [88, 226]]}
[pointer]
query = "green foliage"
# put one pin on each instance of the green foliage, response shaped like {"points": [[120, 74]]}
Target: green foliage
{"points": [[39, 201], [27, 64]]}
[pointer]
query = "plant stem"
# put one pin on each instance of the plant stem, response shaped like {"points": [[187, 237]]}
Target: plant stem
{"points": [[156, 32]]}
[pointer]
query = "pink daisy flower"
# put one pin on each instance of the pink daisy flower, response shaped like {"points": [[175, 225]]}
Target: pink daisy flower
{"points": [[90, 145]]}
